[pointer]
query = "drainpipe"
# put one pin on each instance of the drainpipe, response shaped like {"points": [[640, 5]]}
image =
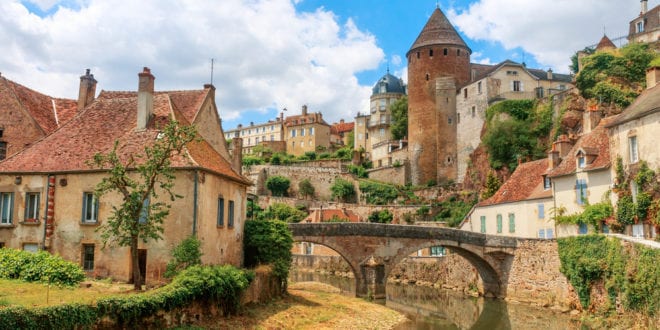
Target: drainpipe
{"points": [[554, 203], [49, 216], [194, 227]]}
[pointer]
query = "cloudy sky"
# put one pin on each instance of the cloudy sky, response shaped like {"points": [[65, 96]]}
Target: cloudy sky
{"points": [[274, 54]]}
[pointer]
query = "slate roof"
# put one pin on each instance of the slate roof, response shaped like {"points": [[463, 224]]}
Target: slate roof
{"points": [[438, 31], [595, 143], [48, 112], [646, 103], [112, 117], [525, 183], [392, 83]]}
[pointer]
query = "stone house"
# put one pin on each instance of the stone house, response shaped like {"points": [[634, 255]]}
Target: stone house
{"points": [[519, 208], [270, 134], [28, 115], [339, 133], [645, 27], [633, 136], [505, 81], [306, 132], [46, 190]]}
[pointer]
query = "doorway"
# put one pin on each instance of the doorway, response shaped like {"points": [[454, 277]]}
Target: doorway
{"points": [[142, 263]]}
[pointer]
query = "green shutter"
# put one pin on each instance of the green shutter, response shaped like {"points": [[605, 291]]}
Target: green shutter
{"points": [[499, 223], [512, 223], [483, 224]]}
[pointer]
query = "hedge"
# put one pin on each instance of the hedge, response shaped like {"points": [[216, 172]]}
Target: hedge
{"points": [[39, 267]]}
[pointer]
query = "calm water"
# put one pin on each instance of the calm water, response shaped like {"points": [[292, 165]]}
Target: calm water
{"points": [[431, 308]]}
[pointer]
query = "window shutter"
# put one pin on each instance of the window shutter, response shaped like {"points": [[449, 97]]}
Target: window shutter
{"points": [[84, 208], [521, 86]]}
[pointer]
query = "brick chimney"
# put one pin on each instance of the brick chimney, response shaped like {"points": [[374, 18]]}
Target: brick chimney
{"points": [[145, 103], [304, 110], [87, 90], [563, 145], [237, 154], [590, 119], [645, 6], [549, 74], [553, 158], [652, 76]]}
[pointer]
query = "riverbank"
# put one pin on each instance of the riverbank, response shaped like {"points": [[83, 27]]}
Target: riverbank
{"points": [[311, 305]]}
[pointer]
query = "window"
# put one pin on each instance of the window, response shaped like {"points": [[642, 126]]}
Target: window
{"points": [[465, 93], [382, 132], [474, 111], [499, 223], [438, 251], [6, 208], [444, 52], [302, 132], [230, 216], [88, 257], [272, 137], [90, 211], [458, 118], [547, 182], [582, 162], [512, 223], [517, 86], [293, 133], [293, 144], [31, 207], [3, 150], [311, 131], [272, 127], [541, 233], [144, 212], [2, 244], [431, 52], [30, 247], [359, 136], [458, 52], [417, 54], [541, 207], [582, 228], [581, 191], [483, 224], [428, 76], [632, 147], [640, 26], [221, 212], [549, 233], [256, 140], [449, 120], [479, 87], [383, 105], [302, 144]]}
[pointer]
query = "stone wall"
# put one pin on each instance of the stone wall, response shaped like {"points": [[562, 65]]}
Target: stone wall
{"points": [[391, 174], [321, 178]]}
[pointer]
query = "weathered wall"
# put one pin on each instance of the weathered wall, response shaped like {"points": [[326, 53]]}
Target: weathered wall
{"points": [[391, 174], [321, 178]]}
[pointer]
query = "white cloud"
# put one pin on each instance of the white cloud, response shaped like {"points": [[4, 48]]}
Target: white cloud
{"points": [[549, 30], [395, 60], [267, 55]]}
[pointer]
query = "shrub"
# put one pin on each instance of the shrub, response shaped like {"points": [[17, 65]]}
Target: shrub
{"points": [[382, 216], [305, 188], [358, 171], [278, 185], [378, 193], [343, 190], [186, 254], [39, 267], [283, 212], [252, 160], [625, 210], [268, 242]]}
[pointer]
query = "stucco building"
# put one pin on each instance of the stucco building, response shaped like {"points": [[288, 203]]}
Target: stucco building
{"points": [[340, 133], [46, 190], [645, 27], [270, 133], [306, 132]]}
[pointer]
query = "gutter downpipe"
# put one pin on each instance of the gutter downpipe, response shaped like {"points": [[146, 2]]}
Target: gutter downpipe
{"points": [[47, 209], [554, 203], [195, 187]]}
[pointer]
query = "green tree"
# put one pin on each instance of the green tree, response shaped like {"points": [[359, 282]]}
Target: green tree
{"points": [[399, 125], [305, 188], [343, 190], [350, 139], [278, 185], [283, 212], [493, 183], [139, 181], [382, 216], [575, 66], [187, 253], [268, 242]]}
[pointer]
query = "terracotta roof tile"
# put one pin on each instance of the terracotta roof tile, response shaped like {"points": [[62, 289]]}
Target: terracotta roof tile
{"points": [[526, 182], [341, 128], [324, 215], [594, 144], [438, 31]]}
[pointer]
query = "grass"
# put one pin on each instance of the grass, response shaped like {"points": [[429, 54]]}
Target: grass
{"points": [[14, 292]]}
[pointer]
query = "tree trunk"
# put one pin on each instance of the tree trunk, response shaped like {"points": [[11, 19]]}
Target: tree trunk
{"points": [[135, 264]]}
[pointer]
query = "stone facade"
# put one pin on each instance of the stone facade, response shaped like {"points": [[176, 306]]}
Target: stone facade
{"points": [[306, 132], [269, 132]]}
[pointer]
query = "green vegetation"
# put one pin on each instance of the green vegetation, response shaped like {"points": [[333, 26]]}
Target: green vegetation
{"points": [[378, 193], [628, 274], [382, 216], [39, 267], [399, 127], [278, 185], [343, 190], [575, 67], [493, 184], [592, 215], [252, 160], [306, 189], [187, 253], [615, 77], [454, 209], [268, 242], [141, 214], [359, 171], [281, 212], [647, 204]]}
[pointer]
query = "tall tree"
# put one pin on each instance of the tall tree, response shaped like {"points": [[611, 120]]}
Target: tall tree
{"points": [[139, 181], [399, 111]]}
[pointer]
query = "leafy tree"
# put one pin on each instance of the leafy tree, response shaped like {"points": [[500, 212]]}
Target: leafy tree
{"points": [[278, 185], [283, 212], [343, 190], [507, 140], [575, 66], [305, 188], [186, 254], [350, 139], [139, 181], [493, 183], [268, 242], [383, 216], [399, 125], [252, 160]]}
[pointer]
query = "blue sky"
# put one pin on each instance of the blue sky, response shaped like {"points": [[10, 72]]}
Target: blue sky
{"points": [[272, 54]]}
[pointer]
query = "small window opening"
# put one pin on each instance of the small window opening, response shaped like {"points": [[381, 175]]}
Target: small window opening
{"points": [[444, 51]]}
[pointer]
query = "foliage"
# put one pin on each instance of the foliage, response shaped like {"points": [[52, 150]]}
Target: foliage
{"points": [[382, 216], [305, 188], [268, 242], [358, 170], [252, 160], [518, 109], [350, 139], [378, 193], [575, 67], [278, 185], [620, 183], [625, 210], [343, 190], [141, 214], [399, 126], [493, 184], [253, 209], [336, 218], [642, 206], [282, 212], [423, 210], [345, 153], [592, 215], [187, 253], [324, 155], [220, 285], [39, 267], [454, 209]]}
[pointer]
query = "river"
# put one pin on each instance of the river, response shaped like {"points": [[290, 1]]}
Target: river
{"points": [[434, 308]]}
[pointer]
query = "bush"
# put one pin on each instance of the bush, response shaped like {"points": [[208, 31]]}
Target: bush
{"points": [[186, 254], [305, 188], [343, 190], [378, 193], [283, 212], [268, 242], [252, 160], [383, 216], [278, 185], [358, 171], [39, 267]]}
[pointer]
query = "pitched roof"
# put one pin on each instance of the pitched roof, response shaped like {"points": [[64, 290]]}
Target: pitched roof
{"points": [[338, 128], [48, 112], [112, 117], [594, 144], [525, 183], [486, 70], [605, 43], [438, 31], [646, 103], [324, 215]]}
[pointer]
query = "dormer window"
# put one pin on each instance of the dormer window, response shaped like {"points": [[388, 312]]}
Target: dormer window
{"points": [[640, 26], [582, 161], [547, 182]]}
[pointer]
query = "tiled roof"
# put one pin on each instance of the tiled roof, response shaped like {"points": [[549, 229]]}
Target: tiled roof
{"points": [[323, 215], [526, 182], [605, 43], [646, 103], [48, 112], [309, 118], [438, 31], [112, 117], [595, 144], [482, 71], [341, 128]]}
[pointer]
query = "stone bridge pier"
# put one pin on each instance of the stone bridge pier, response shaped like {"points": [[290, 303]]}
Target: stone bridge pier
{"points": [[373, 250]]}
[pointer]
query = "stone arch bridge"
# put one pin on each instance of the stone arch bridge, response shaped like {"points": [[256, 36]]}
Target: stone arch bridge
{"points": [[373, 250]]}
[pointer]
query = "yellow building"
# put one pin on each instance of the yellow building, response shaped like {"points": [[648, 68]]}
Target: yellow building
{"points": [[268, 133], [306, 132]]}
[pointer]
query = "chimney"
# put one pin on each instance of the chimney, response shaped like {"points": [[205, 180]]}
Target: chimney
{"points": [[644, 7], [549, 74], [590, 119], [237, 154], [87, 90], [211, 89], [563, 145], [652, 77], [553, 158], [341, 121], [145, 103], [304, 110]]}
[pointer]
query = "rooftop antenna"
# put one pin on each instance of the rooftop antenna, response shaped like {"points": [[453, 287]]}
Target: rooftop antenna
{"points": [[523, 59], [388, 67], [437, 4], [212, 60], [604, 31]]}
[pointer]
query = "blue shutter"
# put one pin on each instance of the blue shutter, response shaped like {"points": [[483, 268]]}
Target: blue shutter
{"points": [[541, 211]]}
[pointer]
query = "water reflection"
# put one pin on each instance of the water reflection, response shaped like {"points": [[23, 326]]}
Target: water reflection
{"points": [[431, 308]]}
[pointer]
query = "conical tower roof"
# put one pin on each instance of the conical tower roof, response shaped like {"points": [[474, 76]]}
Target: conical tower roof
{"points": [[605, 43], [439, 31]]}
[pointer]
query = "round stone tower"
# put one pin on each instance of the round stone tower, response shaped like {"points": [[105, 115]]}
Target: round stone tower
{"points": [[438, 62]]}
